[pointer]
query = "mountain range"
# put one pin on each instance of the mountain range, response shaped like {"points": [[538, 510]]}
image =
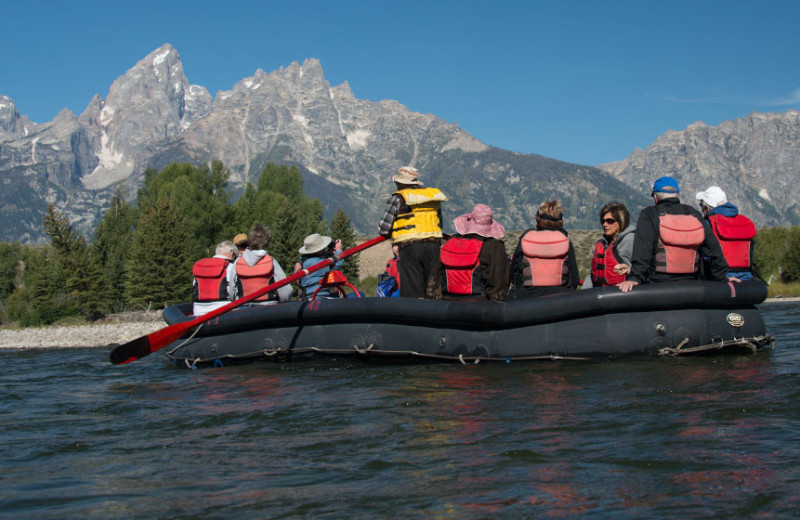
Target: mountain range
{"points": [[348, 148]]}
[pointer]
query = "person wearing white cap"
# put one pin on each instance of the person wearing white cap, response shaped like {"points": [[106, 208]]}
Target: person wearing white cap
{"points": [[313, 252], [734, 231], [413, 219]]}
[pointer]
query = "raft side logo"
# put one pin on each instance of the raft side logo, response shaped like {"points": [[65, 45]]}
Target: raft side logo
{"points": [[735, 320]]}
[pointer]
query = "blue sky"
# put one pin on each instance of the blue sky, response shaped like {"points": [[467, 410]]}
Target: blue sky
{"points": [[584, 82]]}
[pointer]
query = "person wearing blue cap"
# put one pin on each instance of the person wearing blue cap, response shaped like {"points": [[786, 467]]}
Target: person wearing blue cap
{"points": [[671, 240]]}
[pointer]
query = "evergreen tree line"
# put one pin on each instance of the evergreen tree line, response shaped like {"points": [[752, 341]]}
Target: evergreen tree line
{"points": [[141, 255]]}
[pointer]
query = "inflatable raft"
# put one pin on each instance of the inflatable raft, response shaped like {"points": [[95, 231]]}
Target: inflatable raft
{"points": [[659, 319]]}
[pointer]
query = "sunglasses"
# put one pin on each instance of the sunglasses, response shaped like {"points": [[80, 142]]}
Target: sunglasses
{"points": [[608, 220]]}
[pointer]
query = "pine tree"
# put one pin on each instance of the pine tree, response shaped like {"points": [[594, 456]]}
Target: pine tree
{"points": [[81, 279], [159, 266], [110, 248], [341, 228]]}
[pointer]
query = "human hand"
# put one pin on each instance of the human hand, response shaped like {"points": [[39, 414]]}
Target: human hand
{"points": [[734, 279], [622, 269], [338, 244], [627, 285]]}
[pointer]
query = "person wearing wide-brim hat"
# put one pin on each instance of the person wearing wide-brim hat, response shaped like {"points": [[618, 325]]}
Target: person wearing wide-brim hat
{"points": [[316, 248], [474, 261], [413, 220], [671, 239]]}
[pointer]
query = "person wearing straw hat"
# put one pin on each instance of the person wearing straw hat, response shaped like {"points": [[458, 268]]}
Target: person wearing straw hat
{"points": [[734, 231], [315, 250], [413, 219], [240, 241], [474, 261], [670, 241]]}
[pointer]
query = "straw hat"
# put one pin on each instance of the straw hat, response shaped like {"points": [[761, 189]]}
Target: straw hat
{"points": [[407, 175], [314, 243], [480, 222]]}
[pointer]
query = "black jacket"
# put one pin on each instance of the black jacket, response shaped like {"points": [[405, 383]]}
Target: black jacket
{"points": [[646, 242]]}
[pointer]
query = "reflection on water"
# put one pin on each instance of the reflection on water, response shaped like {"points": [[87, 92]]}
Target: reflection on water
{"points": [[649, 438]]}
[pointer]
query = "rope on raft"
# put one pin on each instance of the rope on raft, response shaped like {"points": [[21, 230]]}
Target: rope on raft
{"points": [[751, 344]]}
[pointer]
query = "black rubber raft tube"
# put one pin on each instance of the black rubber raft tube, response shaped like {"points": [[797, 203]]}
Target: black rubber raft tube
{"points": [[602, 323]]}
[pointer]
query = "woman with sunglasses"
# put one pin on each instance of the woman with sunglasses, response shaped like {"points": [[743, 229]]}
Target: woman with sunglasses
{"points": [[612, 253]]}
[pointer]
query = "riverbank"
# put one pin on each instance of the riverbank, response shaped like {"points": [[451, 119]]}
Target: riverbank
{"points": [[115, 329]]}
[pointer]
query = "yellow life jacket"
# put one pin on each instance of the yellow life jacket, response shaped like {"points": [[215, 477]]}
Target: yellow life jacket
{"points": [[423, 219]]}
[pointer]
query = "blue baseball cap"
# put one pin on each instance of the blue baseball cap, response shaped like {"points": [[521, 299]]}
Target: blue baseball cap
{"points": [[666, 185]]}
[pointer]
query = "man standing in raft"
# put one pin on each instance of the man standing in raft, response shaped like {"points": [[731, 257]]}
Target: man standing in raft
{"points": [[670, 241], [413, 219], [735, 232]]}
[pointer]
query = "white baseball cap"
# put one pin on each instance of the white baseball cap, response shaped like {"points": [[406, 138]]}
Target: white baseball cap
{"points": [[713, 196]]}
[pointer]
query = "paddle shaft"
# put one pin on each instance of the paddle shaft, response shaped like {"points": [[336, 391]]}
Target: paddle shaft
{"points": [[146, 345]]}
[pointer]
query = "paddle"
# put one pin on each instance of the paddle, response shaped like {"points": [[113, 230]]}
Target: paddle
{"points": [[146, 345]]}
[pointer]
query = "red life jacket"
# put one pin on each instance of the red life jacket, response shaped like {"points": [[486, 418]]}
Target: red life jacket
{"points": [[212, 284], [391, 269], [603, 262], [735, 235], [679, 238], [461, 262], [252, 278], [546, 258]]}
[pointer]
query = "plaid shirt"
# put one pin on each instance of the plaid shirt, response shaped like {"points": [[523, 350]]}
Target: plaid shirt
{"points": [[386, 223]]}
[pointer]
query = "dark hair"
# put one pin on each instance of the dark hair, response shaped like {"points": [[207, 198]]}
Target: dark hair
{"points": [[259, 237], [619, 212], [550, 215]]}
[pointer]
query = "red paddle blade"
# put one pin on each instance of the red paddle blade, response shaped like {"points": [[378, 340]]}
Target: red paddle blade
{"points": [[146, 345]]}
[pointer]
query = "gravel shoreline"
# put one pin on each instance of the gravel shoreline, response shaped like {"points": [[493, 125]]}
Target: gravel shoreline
{"points": [[115, 330]]}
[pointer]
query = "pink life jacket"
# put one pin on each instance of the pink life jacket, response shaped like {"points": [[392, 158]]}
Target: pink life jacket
{"points": [[546, 258], [603, 262], [735, 235], [679, 239], [256, 277], [212, 284], [461, 262]]}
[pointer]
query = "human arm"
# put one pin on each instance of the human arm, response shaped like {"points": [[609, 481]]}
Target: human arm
{"points": [[644, 242], [495, 268], [389, 216], [285, 292], [574, 276]]}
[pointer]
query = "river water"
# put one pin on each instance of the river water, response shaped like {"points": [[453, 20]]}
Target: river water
{"points": [[641, 438]]}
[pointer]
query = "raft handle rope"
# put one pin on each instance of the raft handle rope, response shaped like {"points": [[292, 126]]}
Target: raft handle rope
{"points": [[196, 330], [751, 344]]}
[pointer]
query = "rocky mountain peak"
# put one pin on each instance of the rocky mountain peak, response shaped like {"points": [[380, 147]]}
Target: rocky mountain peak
{"points": [[12, 124]]}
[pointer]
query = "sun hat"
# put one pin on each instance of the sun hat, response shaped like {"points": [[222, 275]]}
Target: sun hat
{"points": [[666, 185], [407, 175], [314, 243], [240, 239], [713, 196], [480, 222]]}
